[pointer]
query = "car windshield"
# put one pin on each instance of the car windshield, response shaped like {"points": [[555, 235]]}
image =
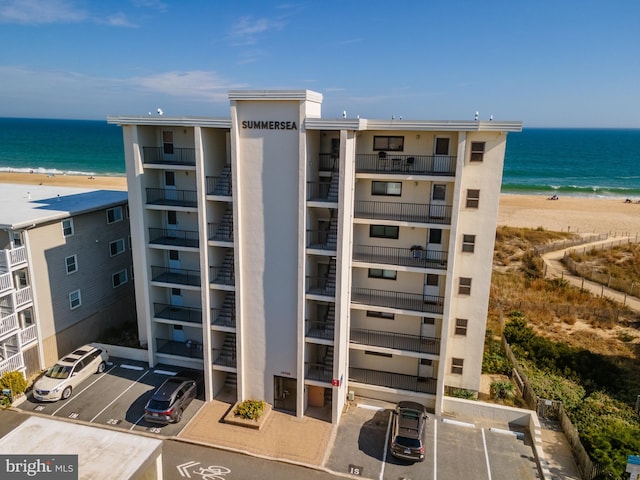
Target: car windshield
{"points": [[59, 372], [158, 405], [408, 442]]}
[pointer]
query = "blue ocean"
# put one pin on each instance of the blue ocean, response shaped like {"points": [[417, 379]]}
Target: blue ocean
{"points": [[576, 162]]}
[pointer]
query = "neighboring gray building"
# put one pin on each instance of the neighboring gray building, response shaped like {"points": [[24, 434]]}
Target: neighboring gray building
{"points": [[65, 271], [298, 259]]}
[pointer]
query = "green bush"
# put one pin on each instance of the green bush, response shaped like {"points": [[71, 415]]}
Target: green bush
{"points": [[463, 393], [14, 381], [250, 409], [502, 390], [494, 359]]}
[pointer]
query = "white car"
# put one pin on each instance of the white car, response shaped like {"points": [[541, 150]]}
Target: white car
{"points": [[59, 381]]}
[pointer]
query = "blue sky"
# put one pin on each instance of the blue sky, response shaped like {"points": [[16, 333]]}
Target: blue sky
{"points": [[557, 63]]}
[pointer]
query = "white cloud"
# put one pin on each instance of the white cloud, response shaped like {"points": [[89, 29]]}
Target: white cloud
{"points": [[247, 30], [40, 12], [192, 84]]}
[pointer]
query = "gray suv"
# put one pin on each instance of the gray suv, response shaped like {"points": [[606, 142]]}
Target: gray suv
{"points": [[407, 434], [170, 399]]}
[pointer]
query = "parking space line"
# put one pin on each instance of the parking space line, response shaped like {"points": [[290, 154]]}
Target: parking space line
{"points": [[83, 390], [486, 454], [386, 447], [137, 422], [123, 392], [435, 449]]}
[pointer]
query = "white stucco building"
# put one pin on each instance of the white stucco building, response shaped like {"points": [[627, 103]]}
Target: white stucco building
{"points": [[296, 258]]}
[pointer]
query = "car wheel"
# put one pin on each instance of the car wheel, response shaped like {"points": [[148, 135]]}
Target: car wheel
{"points": [[178, 416], [102, 367], [66, 393]]}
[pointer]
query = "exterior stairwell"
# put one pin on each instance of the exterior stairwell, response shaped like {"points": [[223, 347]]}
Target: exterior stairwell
{"points": [[227, 315], [227, 355], [225, 228], [332, 234], [331, 279], [330, 320], [225, 273], [334, 187], [223, 186], [231, 381]]}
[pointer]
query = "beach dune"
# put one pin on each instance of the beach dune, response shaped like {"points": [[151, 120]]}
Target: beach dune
{"points": [[613, 216]]}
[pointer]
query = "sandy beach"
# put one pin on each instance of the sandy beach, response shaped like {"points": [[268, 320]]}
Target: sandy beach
{"points": [[573, 214]]}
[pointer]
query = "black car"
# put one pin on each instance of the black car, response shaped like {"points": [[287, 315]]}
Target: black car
{"points": [[170, 399], [407, 434]]}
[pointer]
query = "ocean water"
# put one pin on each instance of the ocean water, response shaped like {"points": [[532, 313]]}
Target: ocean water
{"points": [[575, 162]]}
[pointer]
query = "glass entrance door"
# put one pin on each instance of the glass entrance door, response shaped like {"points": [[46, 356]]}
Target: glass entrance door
{"points": [[284, 393]]}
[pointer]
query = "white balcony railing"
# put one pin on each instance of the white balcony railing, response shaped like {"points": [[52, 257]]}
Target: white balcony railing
{"points": [[10, 258], [5, 282], [13, 363], [8, 324], [28, 335], [23, 296]]}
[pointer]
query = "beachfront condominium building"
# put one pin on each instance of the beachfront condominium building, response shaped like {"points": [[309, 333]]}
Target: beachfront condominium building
{"points": [[302, 260], [65, 271]]}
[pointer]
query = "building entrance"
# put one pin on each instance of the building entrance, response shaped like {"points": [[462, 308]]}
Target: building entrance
{"points": [[284, 393]]}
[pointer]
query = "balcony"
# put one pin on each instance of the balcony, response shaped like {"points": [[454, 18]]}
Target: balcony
{"points": [[400, 300], [318, 371], [177, 313], [178, 276], [396, 341], [5, 282], [23, 296], [320, 330], [178, 156], [440, 165], [181, 349], [408, 212], [223, 317], [219, 186], [406, 257], [13, 363], [28, 335], [393, 380], [9, 324], [321, 286], [10, 258], [172, 198], [221, 232], [226, 355], [174, 238], [322, 192]]}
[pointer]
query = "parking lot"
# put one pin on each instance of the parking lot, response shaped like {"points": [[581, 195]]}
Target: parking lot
{"points": [[453, 450], [116, 397]]}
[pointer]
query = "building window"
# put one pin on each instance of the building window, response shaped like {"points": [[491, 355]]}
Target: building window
{"points": [[117, 247], [114, 215], [167, 142], [385, 142], [432, 280], [461, 326], [170, 179], [392, 189], [384, 231], [464, 287], [473, 198], [388, 316], [21, 279], [435, 236], [119, 278], [428, 321], [439, 192], [456, 365], [468, 243], [75, 299], [71, 264], [129, 242], [427, 362], [126, 210], [477, 151], [67, 227], [378, 354], [381, 273], [172, 217]]}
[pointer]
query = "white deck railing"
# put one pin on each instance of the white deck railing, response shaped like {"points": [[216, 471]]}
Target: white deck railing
{"points": [[8, 324], [5, 282], [28, 335], [12, 257], [11, 364], [23, 296]]}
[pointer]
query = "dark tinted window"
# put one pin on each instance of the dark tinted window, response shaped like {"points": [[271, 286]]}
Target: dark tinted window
{"points": [[158, 404], [408, 442]]}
